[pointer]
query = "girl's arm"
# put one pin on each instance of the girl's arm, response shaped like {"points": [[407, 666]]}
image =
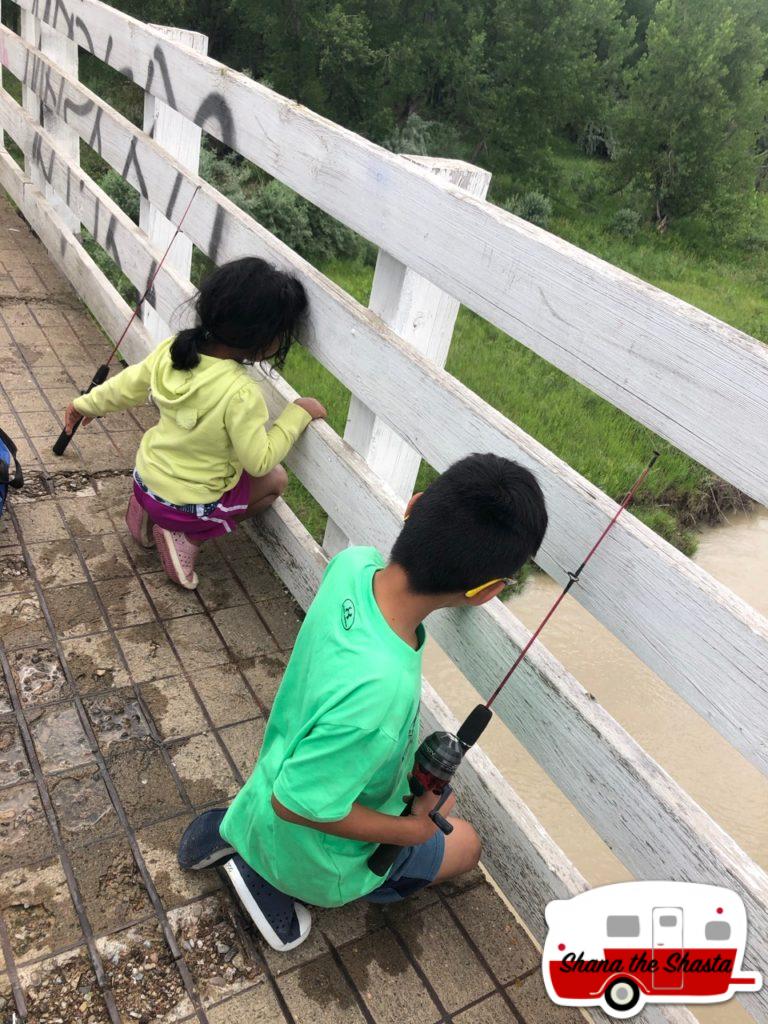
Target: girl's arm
{"points": [[125, 390], [257, 449]]}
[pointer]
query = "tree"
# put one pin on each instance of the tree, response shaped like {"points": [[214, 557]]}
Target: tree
{"points": [[642, 12], [506, 74], [689, 127], [549, 64]]}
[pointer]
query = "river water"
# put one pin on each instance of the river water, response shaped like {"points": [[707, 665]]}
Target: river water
{"points": [[727, 786]]}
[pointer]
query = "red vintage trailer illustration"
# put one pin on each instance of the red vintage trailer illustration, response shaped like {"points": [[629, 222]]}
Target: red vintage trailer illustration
{"points": [[623, 946]]}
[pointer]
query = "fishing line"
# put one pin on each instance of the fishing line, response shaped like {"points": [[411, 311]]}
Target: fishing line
{"points": [[573, 577], [103, 371]]}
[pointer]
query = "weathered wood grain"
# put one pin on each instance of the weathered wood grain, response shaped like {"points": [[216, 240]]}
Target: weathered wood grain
{"points": [[421, 314], [708, 645], [650, 354], [106, 304], [181, 138]]}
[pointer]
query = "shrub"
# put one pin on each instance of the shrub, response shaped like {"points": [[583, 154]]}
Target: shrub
{"points": [[585, 184], [533, 206], [125, 195], [421, 137], [305, 228], [598, 140], [625, 222], [413, 136], [667, 525], [284, 213]]}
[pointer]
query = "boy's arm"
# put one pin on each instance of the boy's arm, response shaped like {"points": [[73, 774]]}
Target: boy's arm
{"points": [[257, 449], [125, 390], [368, 826], [320, 783]]}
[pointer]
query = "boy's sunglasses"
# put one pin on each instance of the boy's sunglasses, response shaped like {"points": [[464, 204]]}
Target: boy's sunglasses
{"points": [[476, 590]]}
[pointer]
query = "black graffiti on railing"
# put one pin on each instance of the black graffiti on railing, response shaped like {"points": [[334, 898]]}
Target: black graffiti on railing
{"points": [[162, 64], [48, 90], [215, 108], [213, 113], [132, 160], [177, 183], [59, 9], [46, 169], [84, 29]]}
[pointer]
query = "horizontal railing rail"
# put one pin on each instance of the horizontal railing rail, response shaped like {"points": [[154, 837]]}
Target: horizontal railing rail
{"points": [[706, 643], [650, 354]]}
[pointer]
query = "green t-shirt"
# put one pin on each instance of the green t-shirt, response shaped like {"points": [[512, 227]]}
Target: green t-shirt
{"points": [[343, 730]]}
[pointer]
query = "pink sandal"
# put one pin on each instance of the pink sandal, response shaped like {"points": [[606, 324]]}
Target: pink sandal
{"points": [[178, 555], [139, 524]]}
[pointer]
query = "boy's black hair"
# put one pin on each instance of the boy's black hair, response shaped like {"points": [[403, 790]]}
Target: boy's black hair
{"points": [[247, 304], [481, 520]]}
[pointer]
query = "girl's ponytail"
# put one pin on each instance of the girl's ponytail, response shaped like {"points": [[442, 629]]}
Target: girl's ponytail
{"points": [[184, 353]]}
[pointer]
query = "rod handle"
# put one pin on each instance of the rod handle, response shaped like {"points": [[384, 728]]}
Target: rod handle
{"points": [[474, 725], [64, 438], [62, 442], [383, 857]]}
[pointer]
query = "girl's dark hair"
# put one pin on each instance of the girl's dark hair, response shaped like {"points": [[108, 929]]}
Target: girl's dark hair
{"points": [[247, 304]]}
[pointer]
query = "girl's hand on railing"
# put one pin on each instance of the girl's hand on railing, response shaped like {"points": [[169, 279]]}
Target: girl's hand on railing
{"points": [[311, 405], [71, 416]]}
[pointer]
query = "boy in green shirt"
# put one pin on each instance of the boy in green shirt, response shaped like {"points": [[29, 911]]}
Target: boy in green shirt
{"points": [[333, 769]]}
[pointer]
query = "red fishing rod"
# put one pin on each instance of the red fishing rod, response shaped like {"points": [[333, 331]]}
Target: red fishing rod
{"points": [[103, 371], [441, 753]]}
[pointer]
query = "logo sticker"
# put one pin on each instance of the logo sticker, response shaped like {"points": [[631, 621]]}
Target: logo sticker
{"points": [[347, 614], [624, 946]]}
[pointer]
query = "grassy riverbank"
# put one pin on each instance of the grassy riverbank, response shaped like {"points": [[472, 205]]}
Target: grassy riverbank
{"points": [[608, 447]]}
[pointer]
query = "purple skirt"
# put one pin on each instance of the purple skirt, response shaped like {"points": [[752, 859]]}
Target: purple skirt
{"points": [[218, 521]]}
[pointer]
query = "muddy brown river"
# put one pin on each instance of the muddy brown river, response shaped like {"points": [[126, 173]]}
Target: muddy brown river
{"points": [[727, 786]]}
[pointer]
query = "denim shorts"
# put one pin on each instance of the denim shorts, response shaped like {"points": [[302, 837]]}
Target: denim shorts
{"points": [[414, 869]]}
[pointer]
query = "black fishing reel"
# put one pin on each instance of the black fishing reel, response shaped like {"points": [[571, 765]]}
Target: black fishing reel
{"points": [[438, 757]]}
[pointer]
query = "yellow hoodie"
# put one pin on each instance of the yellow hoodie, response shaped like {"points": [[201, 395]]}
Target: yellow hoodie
{"points": [[212, 425]]}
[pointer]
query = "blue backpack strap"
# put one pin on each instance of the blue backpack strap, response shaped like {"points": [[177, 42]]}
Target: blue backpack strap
{"points": [[18, 476]]}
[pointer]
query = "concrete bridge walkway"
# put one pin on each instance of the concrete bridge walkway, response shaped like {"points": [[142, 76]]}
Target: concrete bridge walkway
{"points": [[127, 706]]}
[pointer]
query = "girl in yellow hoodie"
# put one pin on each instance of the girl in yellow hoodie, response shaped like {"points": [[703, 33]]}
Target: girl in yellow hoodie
{"points": [[210, 461]]}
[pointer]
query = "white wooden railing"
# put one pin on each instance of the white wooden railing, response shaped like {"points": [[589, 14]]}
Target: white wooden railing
{"points": [[694, 380]]}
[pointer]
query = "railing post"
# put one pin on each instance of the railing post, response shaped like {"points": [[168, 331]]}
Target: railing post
{"points": [[29, 30], [423, 315], [62, 51], [181, 137]]}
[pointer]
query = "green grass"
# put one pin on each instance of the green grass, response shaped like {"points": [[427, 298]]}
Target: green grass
{"points": [[599, 441]]}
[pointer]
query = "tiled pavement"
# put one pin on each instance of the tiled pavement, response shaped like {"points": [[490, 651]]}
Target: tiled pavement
{"points": [[128, 706]]}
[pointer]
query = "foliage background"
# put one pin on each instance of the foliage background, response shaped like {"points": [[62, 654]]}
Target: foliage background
{"points": [[637, 129]]}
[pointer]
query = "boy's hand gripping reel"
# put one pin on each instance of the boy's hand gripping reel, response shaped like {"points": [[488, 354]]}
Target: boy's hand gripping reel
{"points": [[437, 759]]}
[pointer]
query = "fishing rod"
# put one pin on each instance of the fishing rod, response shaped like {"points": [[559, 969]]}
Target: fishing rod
{"points": [[441, 753], [103, 371]]}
